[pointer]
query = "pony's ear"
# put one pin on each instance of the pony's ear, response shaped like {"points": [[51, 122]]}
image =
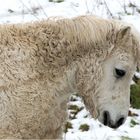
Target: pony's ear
{"points": [[124, 33], [122, 37]]}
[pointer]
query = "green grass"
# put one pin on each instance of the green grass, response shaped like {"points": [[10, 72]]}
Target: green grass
{"points": [[125, 138], [84, 127], [68, 125], [133, 123], [74, 109], [135, 96]]}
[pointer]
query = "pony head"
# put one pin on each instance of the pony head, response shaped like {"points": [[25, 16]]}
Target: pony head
{"points": [[106, 70]]}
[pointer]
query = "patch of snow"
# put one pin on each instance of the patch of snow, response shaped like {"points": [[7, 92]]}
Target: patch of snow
{"points": [[137, 74]]}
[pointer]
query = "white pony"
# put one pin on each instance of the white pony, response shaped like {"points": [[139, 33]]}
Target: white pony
{"points": [[42, 63]]}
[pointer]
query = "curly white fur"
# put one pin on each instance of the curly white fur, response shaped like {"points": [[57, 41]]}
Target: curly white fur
{"points": [[42, 63]]}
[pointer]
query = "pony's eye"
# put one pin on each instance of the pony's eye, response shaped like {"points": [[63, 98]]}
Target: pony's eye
{"points": [[119, 73]]}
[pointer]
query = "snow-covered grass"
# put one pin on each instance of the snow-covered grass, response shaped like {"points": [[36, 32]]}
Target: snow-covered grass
{"points": [[14, 11]]}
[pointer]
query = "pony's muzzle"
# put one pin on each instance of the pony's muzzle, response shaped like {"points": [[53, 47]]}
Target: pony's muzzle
{"points": [[108, 121]]}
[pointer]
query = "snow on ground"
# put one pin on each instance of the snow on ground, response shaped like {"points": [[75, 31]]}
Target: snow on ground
{"points": [[15, 11], [29, 10], [137, 74]]}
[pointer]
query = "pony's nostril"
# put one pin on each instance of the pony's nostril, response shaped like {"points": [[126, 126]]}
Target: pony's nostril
{"points": [[120, 121], [108, 122], [106, 118]]}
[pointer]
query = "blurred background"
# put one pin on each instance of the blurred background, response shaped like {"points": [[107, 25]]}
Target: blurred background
{"points": [[80, 125]]}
